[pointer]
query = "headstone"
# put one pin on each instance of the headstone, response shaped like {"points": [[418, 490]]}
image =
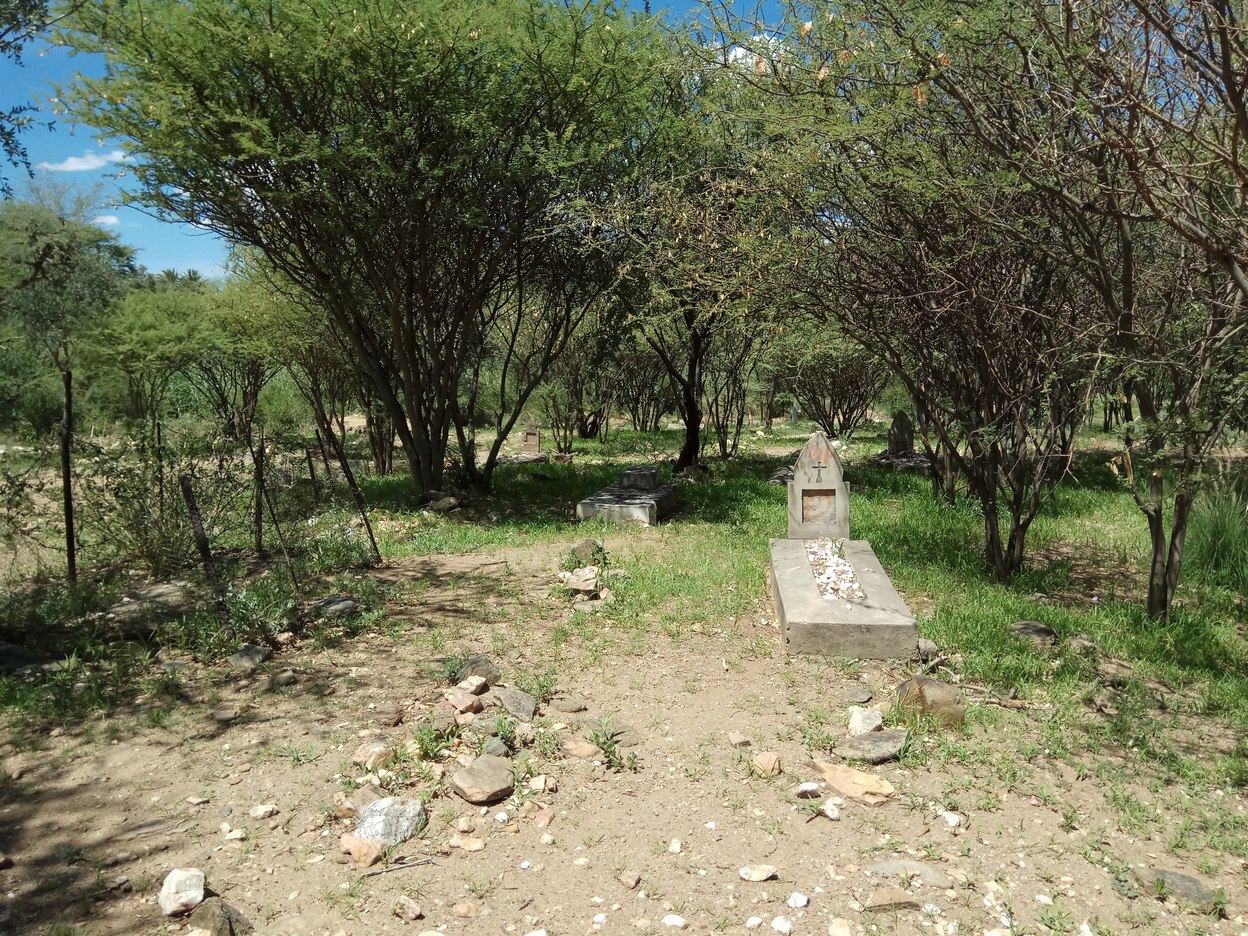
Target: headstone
{"points": [[818, 494], [532, 440], [641, 479], [901, 435]]}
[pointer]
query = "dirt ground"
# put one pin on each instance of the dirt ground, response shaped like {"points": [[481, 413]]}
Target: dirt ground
{"points": [[94, 817]]}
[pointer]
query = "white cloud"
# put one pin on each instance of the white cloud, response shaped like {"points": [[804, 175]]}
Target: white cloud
{"points": [[107, 221], [87, 162]]}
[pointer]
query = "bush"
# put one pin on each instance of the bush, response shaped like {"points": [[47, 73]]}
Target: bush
{"points": [[1217, 539]]}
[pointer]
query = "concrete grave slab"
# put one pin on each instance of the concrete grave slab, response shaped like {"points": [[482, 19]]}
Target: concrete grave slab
{"points": [[879, 627], [621, 504], [818, 494]]}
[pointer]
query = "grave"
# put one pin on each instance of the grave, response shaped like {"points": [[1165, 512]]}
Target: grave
{"points": [[877, 625], [532, 441], [640, 496], [901, 435]]}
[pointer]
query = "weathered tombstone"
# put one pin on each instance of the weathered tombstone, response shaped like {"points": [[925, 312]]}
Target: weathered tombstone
{"points": [[647, 478], [901, 435], [640, 495], [532, 440], [818, 494]]}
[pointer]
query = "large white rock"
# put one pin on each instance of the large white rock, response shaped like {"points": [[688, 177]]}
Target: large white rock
{"points": [[182, 891]]}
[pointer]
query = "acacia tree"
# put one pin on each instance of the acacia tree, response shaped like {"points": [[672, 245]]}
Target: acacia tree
{"points": [[403, 164]]}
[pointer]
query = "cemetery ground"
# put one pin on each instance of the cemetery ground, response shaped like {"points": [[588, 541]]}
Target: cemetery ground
{"points": [[1091, 758]]}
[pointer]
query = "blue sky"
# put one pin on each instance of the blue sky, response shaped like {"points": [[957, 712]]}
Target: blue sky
{"points": [[74, 155]]}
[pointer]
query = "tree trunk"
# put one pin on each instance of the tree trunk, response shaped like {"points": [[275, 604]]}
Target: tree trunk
{"points": [[691, 407], [67, 482], [257, 463], [205, 554]]}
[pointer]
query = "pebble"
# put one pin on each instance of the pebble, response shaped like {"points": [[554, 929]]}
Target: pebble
{"points": [[864, 721], [263, 811], [674, 847], [675, 920], [181, 891], [797, 900], [407, 909], [753, 923], [807, 791], [466, 843], [782, 925], [766, 763], [465, 910], [756, 873], [5, 861], [840, 927], [831, 809]]}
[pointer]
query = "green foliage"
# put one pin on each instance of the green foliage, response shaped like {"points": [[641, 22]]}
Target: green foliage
{"points": [[1217, 543]]}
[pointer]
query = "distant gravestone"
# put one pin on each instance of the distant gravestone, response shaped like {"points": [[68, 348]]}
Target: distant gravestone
{"points": [[532, 440], [818, 494], [648, 478], [901, 435]]}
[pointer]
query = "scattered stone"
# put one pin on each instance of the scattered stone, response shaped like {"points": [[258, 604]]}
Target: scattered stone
{"points": [[675, 920], [486, 780], [5, 861], [463, 701], [336, 607], [474, 684], [891, 898], [494, 746], [753, 923], [568, 705], [840, 927], [1039, 634], [875, 747], [856, 695], [581, 581], [516, 702], [248, 657], [444, 504], [782, 925], [807, 790], [366, 851], [952, 819], [370, 754], [1185, 888], [218, 918], [391, 820], [1081, 643], [182, 891], [932, 697], [263, 811], [797, 900], [930, 876], [831, 809], [581, 748], [407, 909], [465, 910], [284, 638], [466, 843], [864, 721], [766, 764], [755, 873], [674, 847], [856, 784], [928, 650], [285, 678], [479, 665], [224, 714], [588, 552], [738, 740], [388, 714]]}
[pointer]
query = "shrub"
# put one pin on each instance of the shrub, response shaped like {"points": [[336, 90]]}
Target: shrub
{"points": [[1217, 539]]}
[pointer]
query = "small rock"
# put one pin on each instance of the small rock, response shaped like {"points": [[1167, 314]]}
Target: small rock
{"points": [[840, 927], [391, 820], [807, 791], [225, 714], [674, 847], [282, 679], [494, 746], [737, 740], [465, 910], [516, 702], [249, 657], [581, 748], [370, 754], [366, 851], [675, 920], [263, 811], [284, 638], [1041, 635], [486, 780], [444, 504], [753, 923], [766, 764], [474, 684], [857, 695], [568, 705], [407, 909], [181, 891], [5, 861], [336, 607], [899, 867], [388, 714], [927, 650], [466, 843], [1185, 888], [218, 918], [797, 900], [864, 721], [762, 872], [890, 898], [831, 809], [479, 665], [932, 697], [875, 747], [463, 701], [782, 925]]}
